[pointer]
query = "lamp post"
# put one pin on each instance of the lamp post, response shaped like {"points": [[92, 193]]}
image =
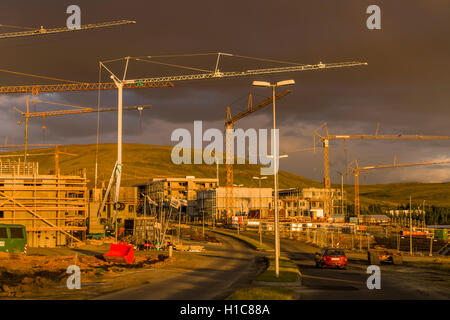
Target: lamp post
{"points": [[217, 171], [260, 207], [275, 164], [234, 215], [342, 191]]}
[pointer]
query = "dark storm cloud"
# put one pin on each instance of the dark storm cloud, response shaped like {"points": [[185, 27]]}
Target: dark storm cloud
{"points": [[405, 86]]}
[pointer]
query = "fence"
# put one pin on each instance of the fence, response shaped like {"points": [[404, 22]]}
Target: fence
{"points": [[330, 238], [361, 240]]}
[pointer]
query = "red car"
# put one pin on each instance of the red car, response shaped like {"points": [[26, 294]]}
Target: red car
{"points": [[331, 257]]}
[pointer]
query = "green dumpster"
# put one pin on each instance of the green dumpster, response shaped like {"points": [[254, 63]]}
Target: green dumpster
{"points": [[13, 238]]}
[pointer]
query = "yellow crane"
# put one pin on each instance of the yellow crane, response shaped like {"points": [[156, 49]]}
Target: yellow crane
{"points": [[43, 31], [356, 169], [81, 86], [229, 122], [55, 154], [79, 110], [322, 134]]}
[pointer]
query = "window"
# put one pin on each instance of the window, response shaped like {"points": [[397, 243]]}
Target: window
{"points": [[16, 233], [131, 208], [3, 233], [335, 253], [2, 214]]}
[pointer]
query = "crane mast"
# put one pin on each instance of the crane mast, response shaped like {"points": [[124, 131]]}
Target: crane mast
{"points": [[229, 122]]}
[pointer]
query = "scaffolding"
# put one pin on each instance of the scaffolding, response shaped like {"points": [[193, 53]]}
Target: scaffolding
{"points": [[53, 208], [212, 203]]}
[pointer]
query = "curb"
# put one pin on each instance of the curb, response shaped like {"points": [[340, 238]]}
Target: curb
{"points": [[297, 283], [242, 240]]}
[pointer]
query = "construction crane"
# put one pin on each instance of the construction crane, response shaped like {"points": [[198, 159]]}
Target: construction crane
{"points": [[355, 169], [205, 74], [42, 31], [229, 122], [55, 154], [79, 110], [35, 89], [322, 134], [218, 74]]}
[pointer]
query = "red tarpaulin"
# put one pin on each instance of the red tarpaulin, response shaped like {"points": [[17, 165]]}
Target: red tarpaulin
{"points": [[120, 251]]}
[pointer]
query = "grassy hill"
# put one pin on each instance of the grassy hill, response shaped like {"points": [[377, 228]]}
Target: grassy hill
{"points": [[437, 194], [142, 162]]}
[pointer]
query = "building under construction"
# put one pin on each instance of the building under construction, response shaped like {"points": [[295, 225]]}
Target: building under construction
{"points": [[100, 221], [310, 202], [162, 190], [53, 208], [212, 203]]}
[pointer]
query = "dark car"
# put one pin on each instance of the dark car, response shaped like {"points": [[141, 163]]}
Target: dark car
{"points": [[331, 257]]}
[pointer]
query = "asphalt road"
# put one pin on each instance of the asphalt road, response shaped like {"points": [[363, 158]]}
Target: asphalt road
{"points": [[226, 268], [397, 282]]}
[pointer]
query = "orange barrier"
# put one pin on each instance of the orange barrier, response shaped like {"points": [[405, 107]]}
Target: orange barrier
{"points": [[414, 234], [120, 252]]}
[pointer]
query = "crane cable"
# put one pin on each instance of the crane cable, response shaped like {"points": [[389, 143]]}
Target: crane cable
{"points": [[60, 104], [17, 27], [37, 76]]}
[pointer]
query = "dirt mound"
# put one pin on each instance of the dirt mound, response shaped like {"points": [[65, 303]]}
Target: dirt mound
{"points": [[21, 275]]}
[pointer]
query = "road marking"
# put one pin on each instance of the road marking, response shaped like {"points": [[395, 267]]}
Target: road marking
{"points": [[331, 279]]}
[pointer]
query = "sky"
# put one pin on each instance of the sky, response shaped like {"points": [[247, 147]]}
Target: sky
{"points": [[405, 86]]}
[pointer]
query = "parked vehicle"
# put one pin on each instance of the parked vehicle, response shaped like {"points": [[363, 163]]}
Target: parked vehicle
{"points": [[331, 257], [13, 238], [377, 256]]}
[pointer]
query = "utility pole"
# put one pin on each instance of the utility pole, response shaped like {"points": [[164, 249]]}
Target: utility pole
{"points": [[342, 191], [424, 217], [217, 172], [203, 218], [342, 194], [26, 134], [179, 224], [410, 227]]}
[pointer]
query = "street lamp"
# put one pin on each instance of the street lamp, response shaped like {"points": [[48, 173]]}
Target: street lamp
{"points": [[260, 208], [279, 157], [237, 185], [217, 171], [342, 190], [275, 150]]}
